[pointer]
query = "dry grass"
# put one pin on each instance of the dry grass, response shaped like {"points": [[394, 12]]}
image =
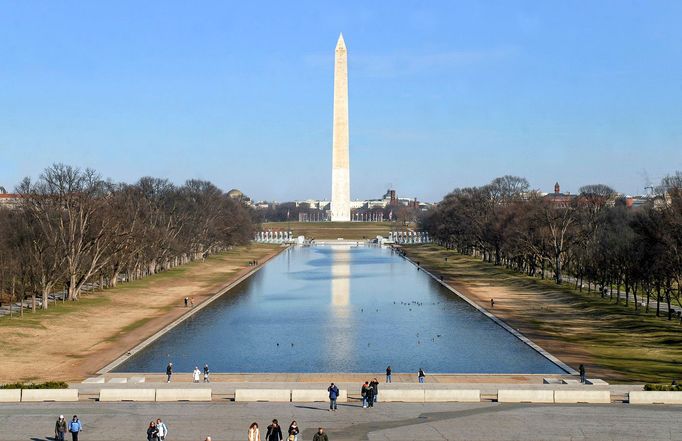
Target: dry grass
{"points": [[73, 340], [614, 342]]}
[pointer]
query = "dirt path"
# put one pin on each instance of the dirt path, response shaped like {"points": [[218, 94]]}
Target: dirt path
{"points": [[72, 341], [613, 342]]}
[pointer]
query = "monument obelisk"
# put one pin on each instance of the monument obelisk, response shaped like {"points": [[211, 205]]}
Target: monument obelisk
{"points": [[340, 205]]}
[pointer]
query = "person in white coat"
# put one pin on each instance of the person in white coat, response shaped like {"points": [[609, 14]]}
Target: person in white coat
{"points": [[196, 375]]}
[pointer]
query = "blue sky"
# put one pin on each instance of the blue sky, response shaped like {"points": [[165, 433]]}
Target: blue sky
{"points": [[442, 94]]}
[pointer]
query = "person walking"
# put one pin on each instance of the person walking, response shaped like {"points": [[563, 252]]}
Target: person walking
{"points": [[152, 432], [421, 375], [75, 428], [581, 369], [374, 384], [254, 432], [60, 428], [333, 396], [363, 393], [169, 372], [196, 374], [293, 431], [162, 429], [320, 435], [388, 374], [186, 302], [274, 432], [206, 374]]}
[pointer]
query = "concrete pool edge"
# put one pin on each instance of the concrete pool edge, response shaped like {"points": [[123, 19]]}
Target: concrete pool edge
{"points": [[158, 334], [569, 370]]}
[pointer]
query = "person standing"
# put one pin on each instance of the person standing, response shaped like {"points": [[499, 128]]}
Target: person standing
{"points": [[196, 374], [581, 369], [169, 372], [206, 374], [421, 375], [75, 427], [274, 432], [374, 384], [363, 393], [293, 431], [152, 432], [320, 435], [254, 432], [186, 302], [388, 374], [162, 429], [60, 428], [333, 396], [370, 395]]}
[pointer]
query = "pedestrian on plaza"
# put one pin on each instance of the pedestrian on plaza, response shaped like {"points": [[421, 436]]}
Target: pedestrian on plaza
{"points": [[75, 427], [320, 435], [196, 374], [191, 302], [152, 432], [388, 374], [169, 372], [370, 395], [374, 384], [162, 429], [274, 432], [421, 375], [186, 302], [206, 374], [254, 432], [492, 303], [581, 369], [293, 431], [333, 396], [363, 393], [60, 428]]}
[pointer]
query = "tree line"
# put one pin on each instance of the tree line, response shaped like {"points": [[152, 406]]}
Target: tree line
{"points": [[593, 239], [72, 228]]}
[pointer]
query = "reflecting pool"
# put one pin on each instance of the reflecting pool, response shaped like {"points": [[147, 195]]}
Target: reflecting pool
{"points": [[340, 308]]}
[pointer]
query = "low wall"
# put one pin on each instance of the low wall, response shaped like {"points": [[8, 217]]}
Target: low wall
{"points": [[127, 395], [402, 395], [525, 396], [655, 397], [49, 395], [452, 395], [202, 394], [10, 395], [274, 395], [582, 396], [311, 395]]}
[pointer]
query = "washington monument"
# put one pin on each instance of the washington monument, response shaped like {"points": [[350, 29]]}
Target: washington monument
{"points": [[340, 206]]}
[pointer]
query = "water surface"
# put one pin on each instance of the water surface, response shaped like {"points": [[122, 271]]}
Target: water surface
{"points": [[340, 309]]}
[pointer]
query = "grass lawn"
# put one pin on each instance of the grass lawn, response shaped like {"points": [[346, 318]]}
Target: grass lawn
{"points": [[613, 341], [72, 340], [334, 230]]}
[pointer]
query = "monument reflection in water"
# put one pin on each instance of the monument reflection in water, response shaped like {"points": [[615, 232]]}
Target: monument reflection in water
{"points": [[340, 309]]}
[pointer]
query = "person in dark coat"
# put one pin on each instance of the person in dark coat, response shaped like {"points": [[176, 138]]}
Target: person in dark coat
{"points": [[274, 432], [581, 369], [320, 435], [374, 385]]}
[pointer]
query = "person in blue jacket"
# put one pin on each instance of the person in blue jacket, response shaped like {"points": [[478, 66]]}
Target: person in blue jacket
{"points": [[75, 427], [333, 395]]}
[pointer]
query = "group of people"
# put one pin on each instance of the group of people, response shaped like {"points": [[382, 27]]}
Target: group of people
{"points": [[157, 430], [274, 433], [61, 427], [370, 393], [196, 374]]}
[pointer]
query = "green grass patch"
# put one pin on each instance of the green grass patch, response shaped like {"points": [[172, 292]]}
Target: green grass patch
{"points": [[45, 385]]}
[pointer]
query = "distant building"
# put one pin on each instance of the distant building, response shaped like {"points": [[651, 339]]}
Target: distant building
{"points": [[9, 200], [558, 198]]}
